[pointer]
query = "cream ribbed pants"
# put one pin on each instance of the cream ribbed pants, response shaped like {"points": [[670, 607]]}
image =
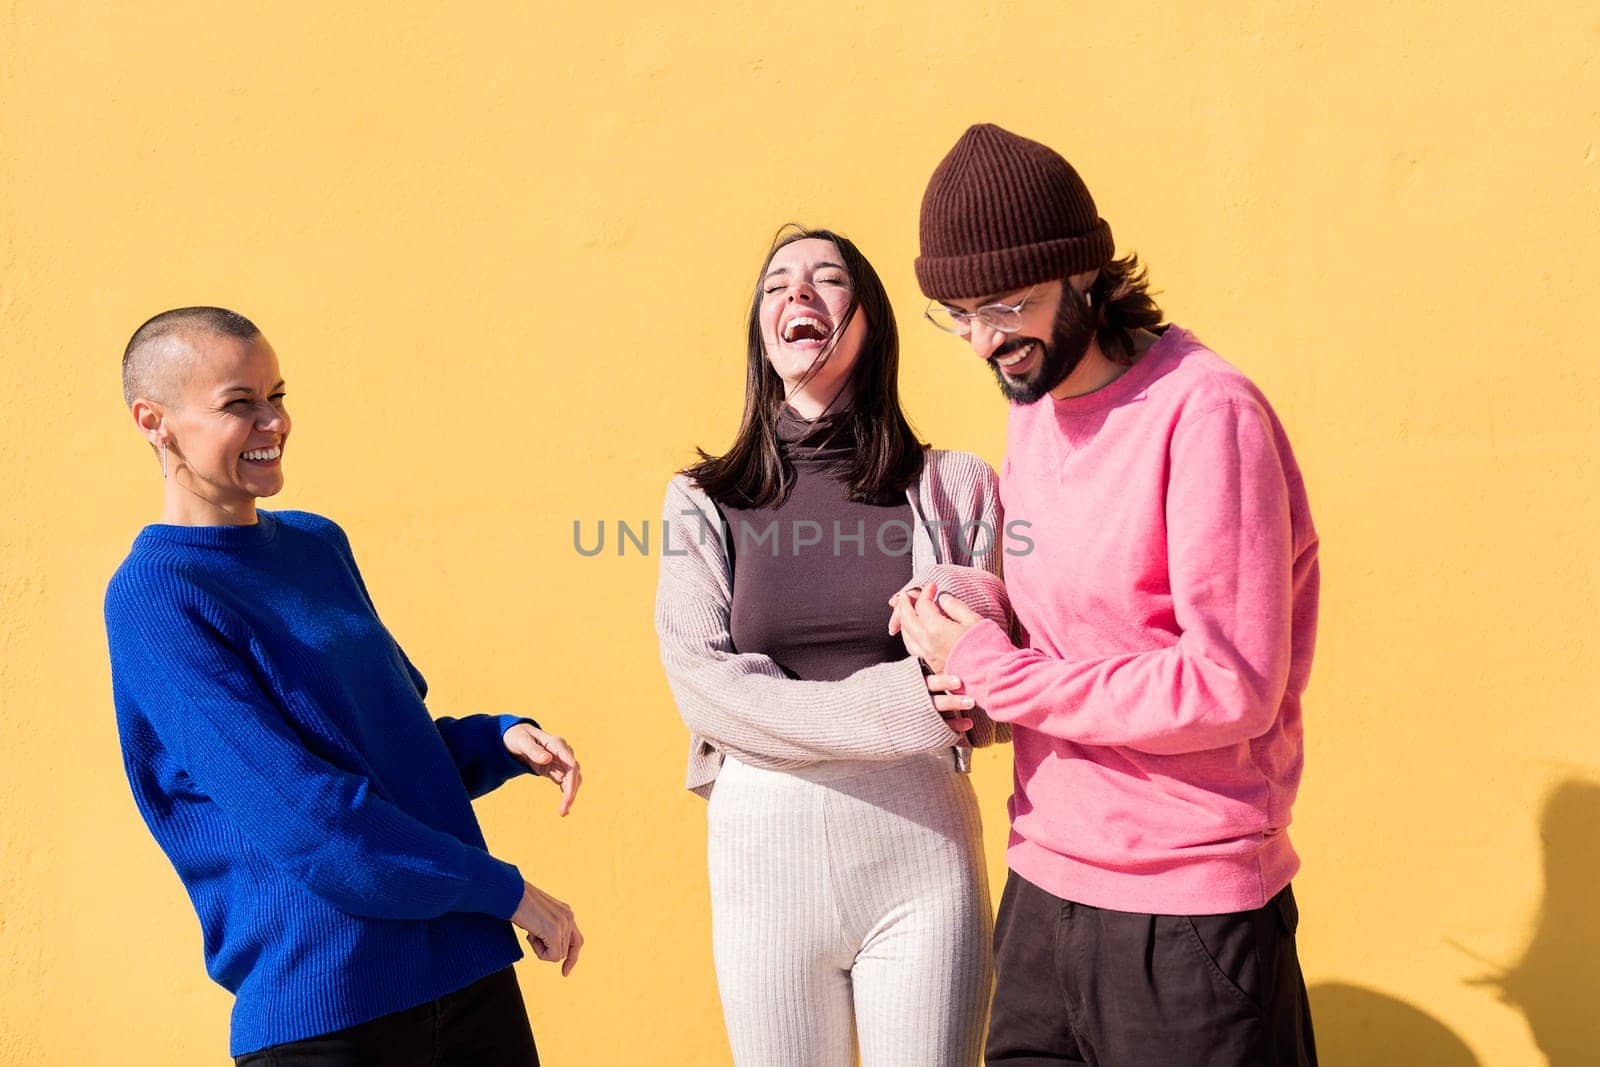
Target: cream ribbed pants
{"points": [[849, 905]]}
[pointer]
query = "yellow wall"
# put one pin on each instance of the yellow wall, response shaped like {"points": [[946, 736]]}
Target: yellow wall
{"points": [[504, 256]]}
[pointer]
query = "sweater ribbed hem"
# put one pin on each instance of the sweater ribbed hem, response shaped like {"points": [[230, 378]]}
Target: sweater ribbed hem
{"points": [[321, 1003], [1214, 885], [842, 770]]}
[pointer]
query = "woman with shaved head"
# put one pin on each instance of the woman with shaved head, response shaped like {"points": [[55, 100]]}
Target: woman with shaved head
{"points": [[279, 749]]}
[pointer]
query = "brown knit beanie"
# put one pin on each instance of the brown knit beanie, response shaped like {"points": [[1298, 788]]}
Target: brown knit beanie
{"points": [[1002, 213]]}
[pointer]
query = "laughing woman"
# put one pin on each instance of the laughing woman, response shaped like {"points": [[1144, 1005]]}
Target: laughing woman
{"points": [[279, 749], [849, 902]]}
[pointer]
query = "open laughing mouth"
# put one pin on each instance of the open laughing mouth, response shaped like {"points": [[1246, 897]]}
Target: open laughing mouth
{"points": [[262, 455], [806, 331], [1019, 360]]}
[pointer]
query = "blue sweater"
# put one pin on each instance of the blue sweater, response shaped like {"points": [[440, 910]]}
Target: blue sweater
{"points": [[279, 749]]}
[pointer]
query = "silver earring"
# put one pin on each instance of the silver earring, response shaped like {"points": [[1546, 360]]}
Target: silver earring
{"points": [[163, 461]]}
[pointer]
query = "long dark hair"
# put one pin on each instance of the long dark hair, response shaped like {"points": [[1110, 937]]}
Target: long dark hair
{"points": [[1122, 304], [887, 457]]}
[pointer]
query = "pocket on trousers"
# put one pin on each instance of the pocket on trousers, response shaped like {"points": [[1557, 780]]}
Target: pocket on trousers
{"points": [[1226, 946]]}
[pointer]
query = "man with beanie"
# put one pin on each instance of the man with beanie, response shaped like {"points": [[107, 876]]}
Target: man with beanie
{"points": [[1169, 605]]}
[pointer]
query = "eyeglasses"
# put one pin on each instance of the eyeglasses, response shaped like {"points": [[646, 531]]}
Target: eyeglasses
{"points": [[1006, 318]]}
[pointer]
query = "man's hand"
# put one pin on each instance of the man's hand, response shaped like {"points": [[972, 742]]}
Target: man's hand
{"points": [[931, 624], [548, 755], [552, 933]]}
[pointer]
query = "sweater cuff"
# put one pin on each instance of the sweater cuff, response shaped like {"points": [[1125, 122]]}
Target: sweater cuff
{"points": [[971, 657], [513, 765], [494, 887], [909, 720]]}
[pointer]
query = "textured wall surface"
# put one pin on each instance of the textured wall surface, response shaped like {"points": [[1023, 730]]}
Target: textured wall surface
{"points": [[504, 255]]}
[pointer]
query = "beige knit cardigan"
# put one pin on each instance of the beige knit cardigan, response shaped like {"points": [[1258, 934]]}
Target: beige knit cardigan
{"points": [[743, 704]]}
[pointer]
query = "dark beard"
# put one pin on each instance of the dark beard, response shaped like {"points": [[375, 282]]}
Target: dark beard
{"points": [[1070, 335]]}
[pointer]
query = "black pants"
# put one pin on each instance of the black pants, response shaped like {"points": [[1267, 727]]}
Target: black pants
{"points": [[483, 1025], [1075, 984]]}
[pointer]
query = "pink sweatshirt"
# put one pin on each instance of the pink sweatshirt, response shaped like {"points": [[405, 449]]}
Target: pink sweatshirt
{"points": [[1170, 603]]}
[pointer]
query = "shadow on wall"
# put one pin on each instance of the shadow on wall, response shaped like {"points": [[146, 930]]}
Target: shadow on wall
{"points": [[1556, 984], [1358, 1027]]}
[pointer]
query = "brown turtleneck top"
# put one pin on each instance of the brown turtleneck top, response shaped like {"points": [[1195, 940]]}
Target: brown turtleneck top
{"points": [[812, 577]]}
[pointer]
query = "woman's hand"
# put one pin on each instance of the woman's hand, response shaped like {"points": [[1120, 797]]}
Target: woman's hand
{"points": [[953, 706], [902, 601], [549, 755], [552, 933], [931, 624]]}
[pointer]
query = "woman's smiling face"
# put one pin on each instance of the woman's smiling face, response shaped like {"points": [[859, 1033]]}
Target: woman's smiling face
{"points": [[226, 426], [806, 294]]}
